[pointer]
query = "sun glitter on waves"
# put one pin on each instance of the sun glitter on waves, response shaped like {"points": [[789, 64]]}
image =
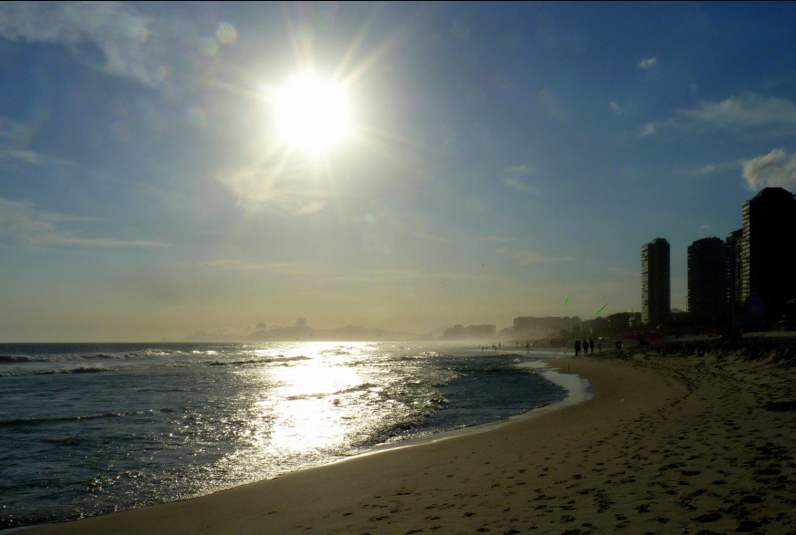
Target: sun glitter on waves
{"points": [[312, 114]]}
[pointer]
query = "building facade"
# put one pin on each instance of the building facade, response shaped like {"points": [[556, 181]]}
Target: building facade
{"points": [[707, 279], [655, 282], [769, 236], [474, 332], [734, 244]]}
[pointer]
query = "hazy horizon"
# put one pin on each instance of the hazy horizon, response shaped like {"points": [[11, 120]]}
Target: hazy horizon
{"points": [[162, 173]]}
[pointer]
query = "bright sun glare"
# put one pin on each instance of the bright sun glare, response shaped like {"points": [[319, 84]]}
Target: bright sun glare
{"points": [[312, 114]]}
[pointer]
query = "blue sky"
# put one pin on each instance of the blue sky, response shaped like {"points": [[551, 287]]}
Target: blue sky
{"points": [[505, 160]]}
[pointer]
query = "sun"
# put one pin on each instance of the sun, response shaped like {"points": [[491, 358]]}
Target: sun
{"points": [[312, 114]]}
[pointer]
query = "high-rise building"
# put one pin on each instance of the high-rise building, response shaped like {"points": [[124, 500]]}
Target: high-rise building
{"points": [[769, 236], [655, 285], [734, 244], [707, 278]]}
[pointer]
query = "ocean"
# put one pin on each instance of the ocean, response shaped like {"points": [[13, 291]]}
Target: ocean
{"points": [[88, 429]]}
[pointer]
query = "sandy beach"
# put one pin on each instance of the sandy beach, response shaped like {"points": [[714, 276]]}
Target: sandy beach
{"points": [[689, 439]]}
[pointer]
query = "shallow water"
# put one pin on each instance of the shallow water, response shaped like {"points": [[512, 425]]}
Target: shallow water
{"points": [[87, 429]]}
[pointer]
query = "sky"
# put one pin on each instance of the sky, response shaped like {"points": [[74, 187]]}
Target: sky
{"points": [[502, 160]]}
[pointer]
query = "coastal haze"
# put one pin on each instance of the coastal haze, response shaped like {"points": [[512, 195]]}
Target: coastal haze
{"points": [[445, 164]]}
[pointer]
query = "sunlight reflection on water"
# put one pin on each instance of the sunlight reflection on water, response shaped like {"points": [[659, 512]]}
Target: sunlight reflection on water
{"points": [[174, 421], [313, 398]]}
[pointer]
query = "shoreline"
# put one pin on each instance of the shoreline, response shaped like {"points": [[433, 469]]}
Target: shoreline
{"points": [[669, 445], [187, 510], [577, 391]]}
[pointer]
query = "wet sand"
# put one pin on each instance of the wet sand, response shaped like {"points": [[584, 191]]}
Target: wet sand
{"points": [[702, 444]]}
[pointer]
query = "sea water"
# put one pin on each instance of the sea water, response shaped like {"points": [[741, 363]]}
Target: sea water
{"points": [[88, 429]]}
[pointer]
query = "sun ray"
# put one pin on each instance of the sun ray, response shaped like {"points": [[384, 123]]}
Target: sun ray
{"points": [[310, 135]]}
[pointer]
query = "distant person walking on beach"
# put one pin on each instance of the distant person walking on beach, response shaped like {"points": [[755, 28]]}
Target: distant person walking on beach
{"points": [[577, 347], [591, 345]]}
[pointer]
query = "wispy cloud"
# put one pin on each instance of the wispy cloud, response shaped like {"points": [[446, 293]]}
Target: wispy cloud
{"points": [[405, 276], [516, 177], [530, 257], [21, 222], [13, 157], [624, 273], [519, 169], [277, 188], [9, 155], [232, 264], [55, 239], [648, 63], [750, 110], [775, 169], [710, 169], [777, 115], [500, 239], [648, 130], [109, 35], [429, 236], [15, 137], [113, 37]]}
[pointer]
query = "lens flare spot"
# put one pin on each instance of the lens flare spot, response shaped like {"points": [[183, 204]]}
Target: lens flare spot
{"points": [[226, 33], [137, 32], [208, 46]]}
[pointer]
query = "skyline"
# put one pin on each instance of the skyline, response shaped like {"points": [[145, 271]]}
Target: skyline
{"points": [[504, 160]]}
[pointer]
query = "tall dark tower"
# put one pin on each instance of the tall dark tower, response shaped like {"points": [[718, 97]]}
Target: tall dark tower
{"points": [[736, 308], [734, 243], [655, 285], [707, 278], [769, 237]]}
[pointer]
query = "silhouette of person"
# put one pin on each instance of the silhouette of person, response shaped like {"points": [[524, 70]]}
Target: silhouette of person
{"points": [[591, 345], [577, 347]]}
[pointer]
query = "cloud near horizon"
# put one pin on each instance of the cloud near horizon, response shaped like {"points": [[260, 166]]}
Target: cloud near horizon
{"points": [[775, 169]]}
